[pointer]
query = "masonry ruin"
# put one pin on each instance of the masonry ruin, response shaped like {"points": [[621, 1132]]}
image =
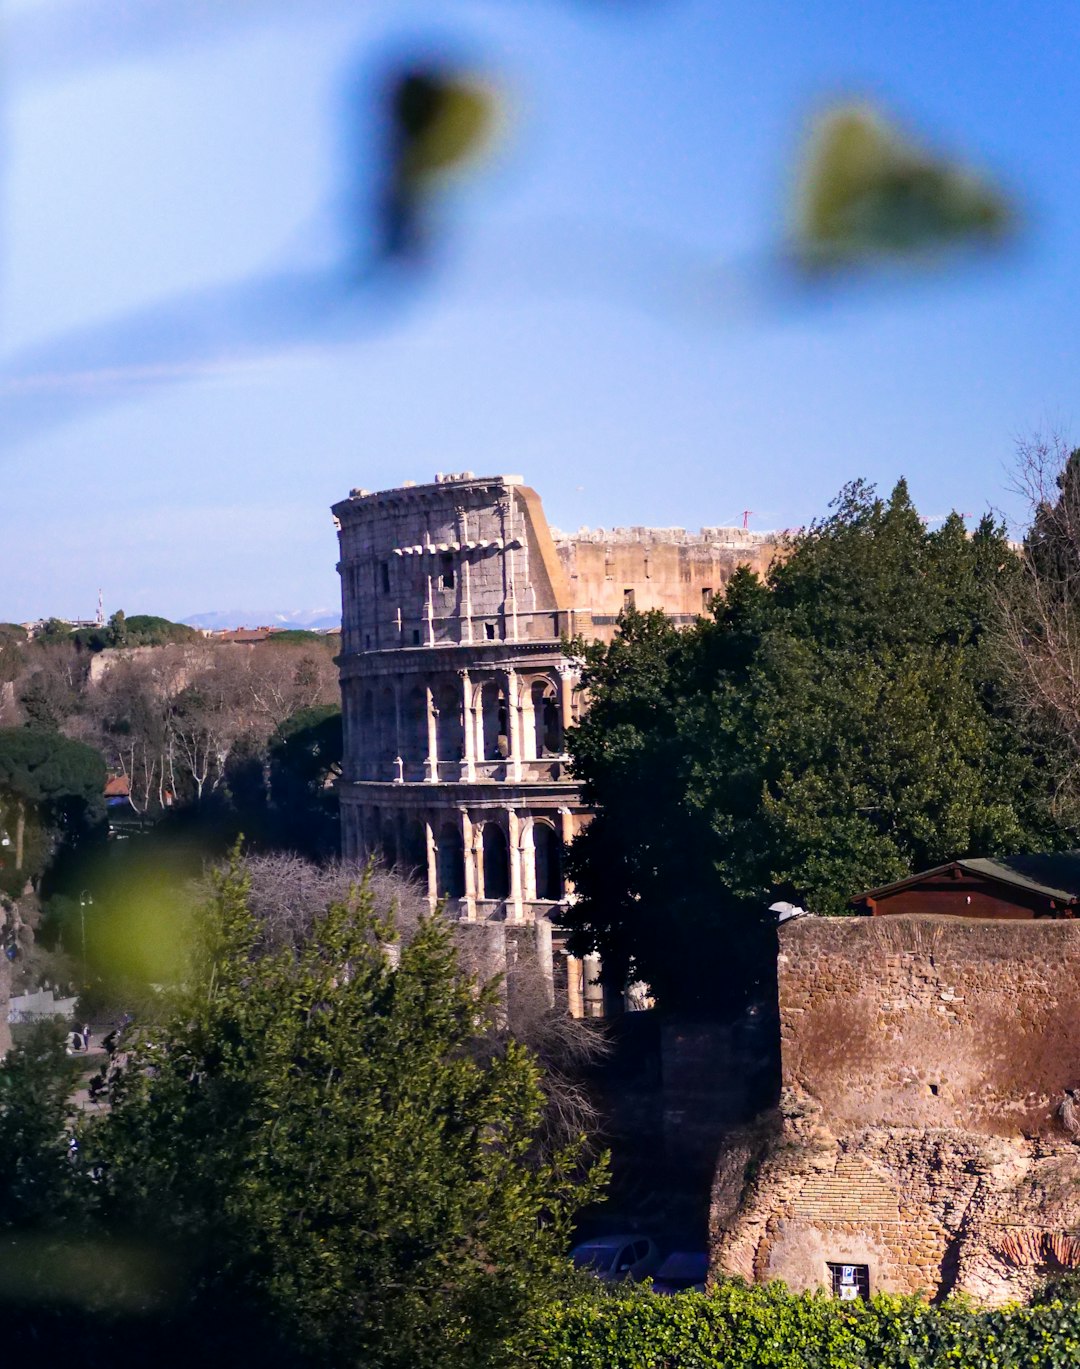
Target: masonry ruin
{"points": [[457, 692], [929, 1125]]}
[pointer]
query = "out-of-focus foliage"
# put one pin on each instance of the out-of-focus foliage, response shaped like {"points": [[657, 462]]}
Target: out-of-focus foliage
{"points": [[840, 726], [439, 121], [868, 193]]}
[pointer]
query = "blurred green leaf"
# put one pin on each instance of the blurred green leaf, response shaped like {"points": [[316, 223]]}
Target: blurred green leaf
{"points": [[866, 192]]}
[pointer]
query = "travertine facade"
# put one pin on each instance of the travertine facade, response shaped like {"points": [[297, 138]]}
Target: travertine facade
{"points": [[456, 691], [925, 1062]]}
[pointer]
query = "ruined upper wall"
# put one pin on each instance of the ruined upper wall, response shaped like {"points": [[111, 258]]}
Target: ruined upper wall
{"points": [[665, 568], [931, 1021], [470, 559], [465, 559]]}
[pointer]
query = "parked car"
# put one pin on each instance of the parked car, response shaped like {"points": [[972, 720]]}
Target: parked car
{"points": [[682, 1271], [613, 1258]]}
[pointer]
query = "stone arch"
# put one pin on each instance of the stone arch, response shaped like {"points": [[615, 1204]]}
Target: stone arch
{"points": [[414, 726], [450, 730], [413, 847], [387, 728], [546, 718], [547, 861], [389, 840], [367, 745], [496, 861], [450, 861], [372, 830], [495, 721]]}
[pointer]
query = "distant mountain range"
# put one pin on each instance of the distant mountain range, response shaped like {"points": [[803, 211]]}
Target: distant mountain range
{"points": [[266, 617]]}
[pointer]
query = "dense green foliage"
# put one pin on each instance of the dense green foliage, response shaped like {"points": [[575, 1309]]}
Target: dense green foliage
{"points": [[145, 629], [330, 1146], [141, 629], [35, 1111], [834, 728], [50, 794], [740, 1327], [305, 758]]}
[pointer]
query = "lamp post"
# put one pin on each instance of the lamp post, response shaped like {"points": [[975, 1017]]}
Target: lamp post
{"points": [[85, 901]]}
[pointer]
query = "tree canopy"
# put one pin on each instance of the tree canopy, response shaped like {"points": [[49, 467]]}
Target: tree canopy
{"points": [[51, 789], [332, 1141], [836, 727]]}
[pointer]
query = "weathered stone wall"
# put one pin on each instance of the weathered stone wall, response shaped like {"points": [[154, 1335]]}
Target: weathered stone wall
{"points": [[924, 1061], [932, 1021], [664, 568], [929, 1211]]}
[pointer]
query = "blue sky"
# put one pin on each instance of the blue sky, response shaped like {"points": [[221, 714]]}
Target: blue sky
{"points": [[186, 386]]}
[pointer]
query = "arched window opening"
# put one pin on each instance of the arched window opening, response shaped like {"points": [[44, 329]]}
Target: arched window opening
{"points": [[387, 730], [547, 721], [372, 829], [414, 848], [451, 862], [496, 862], [415, 726], [367, 744], [450, 731], [547, 854], [496, 735]]}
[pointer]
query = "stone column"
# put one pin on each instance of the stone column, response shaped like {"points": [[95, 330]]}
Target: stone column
{"points": [[468, 728], [528, 862], [529, 749], [567, 680], [468, 853], [566, 826], [591, 991], [477, 716], [432, 766], [432, 863], [513, 725], [545, 959], [575, 1003], [429, 611], [465, 626], [515, 910]]}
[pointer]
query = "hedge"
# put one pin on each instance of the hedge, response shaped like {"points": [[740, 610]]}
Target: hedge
{"points": [[741, 1327]]}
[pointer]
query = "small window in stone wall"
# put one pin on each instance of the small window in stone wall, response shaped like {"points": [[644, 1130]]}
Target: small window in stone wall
{"points": [[850, 1282], [446, 577], [384, 572], [489, 631]]}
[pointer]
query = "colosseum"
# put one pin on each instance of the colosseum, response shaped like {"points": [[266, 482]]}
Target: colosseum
{"points": [[457, 689]]}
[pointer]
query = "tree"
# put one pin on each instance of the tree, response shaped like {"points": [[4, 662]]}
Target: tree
{"points": [[128, 716], [336, 1140], [834, 728], [286, 892], [13, 640], [305, 758], [1039, 636], [47, 775], [35, 1116], [50, 687]]}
